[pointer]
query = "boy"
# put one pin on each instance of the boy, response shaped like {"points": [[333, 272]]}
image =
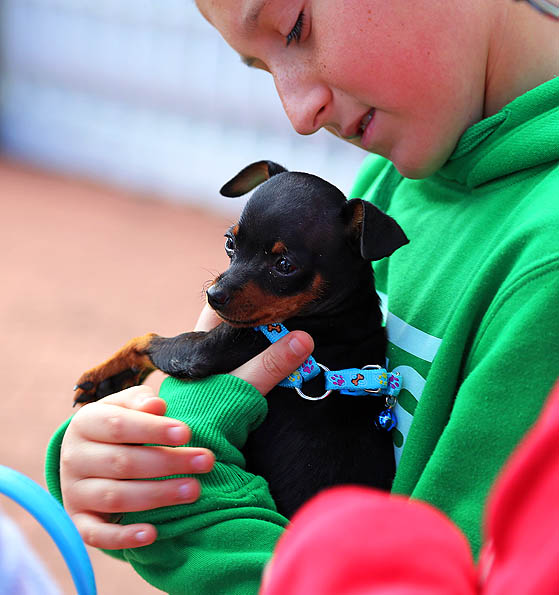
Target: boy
{"points": [[461, 101]]}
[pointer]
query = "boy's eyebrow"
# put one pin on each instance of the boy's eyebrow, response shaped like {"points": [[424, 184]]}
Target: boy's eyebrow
{"points": [[247, 60], [249, 21], [252, 14]]}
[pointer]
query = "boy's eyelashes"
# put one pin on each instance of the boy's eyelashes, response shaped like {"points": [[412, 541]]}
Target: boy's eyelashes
{"points": [[296, 32]]}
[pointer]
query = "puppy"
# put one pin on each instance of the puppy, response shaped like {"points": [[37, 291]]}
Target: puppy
{"points": [[300, 255]]}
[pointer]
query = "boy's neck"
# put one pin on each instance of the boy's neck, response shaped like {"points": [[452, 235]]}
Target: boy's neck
{"points": [[523, 53]]}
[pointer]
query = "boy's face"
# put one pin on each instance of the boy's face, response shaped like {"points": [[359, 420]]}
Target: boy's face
{"points": [[400, 79]]}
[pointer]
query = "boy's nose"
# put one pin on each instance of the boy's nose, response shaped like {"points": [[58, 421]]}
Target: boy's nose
{"points": [[306, 106]]}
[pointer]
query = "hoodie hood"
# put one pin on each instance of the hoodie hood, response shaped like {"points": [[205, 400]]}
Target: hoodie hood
{"points": [[523, 135]]}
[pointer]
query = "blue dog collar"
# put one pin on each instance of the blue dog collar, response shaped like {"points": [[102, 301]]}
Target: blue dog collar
{"points": [[352, 381], [306, 371], [363, 381]]}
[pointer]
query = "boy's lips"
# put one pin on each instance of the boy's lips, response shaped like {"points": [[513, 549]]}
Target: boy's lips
{"points": [[361, 129], [367, 128]]}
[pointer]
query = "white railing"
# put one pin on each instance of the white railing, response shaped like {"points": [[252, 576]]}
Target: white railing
{"points": [[146, 95]]}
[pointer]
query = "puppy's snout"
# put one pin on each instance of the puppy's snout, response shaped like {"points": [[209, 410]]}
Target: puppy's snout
{"points": [[218, 297]]}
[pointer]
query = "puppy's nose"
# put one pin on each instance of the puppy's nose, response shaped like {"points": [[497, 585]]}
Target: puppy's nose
{"points": [[218, 297]]}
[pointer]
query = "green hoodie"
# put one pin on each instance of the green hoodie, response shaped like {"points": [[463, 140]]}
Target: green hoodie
{"points": [[473, 323]]}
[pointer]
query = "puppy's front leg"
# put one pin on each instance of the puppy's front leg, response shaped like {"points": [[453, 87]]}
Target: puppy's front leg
{"points": [[199, 354], [189, 356]]}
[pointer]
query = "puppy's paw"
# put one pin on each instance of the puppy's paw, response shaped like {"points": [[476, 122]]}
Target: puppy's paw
{"points": [[95, 385], [128, 367]]}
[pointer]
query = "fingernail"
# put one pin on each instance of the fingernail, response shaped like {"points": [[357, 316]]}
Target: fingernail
{"points": [[297, 347], [187, 491], [201, 463], [141, 536], [176, 434]]}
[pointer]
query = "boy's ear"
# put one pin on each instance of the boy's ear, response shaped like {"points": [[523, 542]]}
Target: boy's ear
{"points": [[250, 177], [372, 232]]}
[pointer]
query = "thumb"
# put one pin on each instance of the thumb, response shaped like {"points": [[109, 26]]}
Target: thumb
{"points": [[207, 320], [276, 363]]}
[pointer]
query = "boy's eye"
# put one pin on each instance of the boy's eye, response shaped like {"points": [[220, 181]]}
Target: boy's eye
{"points": [[284, 267], [229, 245], [295, 33]]}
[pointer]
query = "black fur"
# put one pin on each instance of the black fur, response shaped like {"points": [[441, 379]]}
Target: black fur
{"points": [[302, 446]]}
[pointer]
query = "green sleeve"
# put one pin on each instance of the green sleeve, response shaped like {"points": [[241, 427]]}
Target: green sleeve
{"points": [[52, 461], [512, 365], [220, 543]]}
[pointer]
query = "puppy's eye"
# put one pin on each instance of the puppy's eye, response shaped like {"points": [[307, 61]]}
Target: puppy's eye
{"points": [[284, 267], [230, 245]]}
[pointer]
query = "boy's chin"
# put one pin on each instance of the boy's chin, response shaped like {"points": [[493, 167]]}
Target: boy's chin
{"points": [[418, 171], [417, 165]]}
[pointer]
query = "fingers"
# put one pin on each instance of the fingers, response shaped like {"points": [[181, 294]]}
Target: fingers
{"points": [[104, 422], [102, 470], [141, 398], [278, 361], [97, 532], [114, 496], [207, 320], [134, 462]]}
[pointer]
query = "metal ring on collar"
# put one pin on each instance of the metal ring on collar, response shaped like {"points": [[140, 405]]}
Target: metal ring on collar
{"points": [[304, 396], [374, 391]]}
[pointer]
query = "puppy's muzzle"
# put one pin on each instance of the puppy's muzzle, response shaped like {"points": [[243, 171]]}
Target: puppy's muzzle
{"points": [[218, 297]]}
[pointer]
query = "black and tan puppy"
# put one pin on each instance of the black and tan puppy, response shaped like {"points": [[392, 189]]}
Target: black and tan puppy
{"points": [[300, 254]]}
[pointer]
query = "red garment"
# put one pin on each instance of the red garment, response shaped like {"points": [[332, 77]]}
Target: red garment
{"points": [[355, 540]]}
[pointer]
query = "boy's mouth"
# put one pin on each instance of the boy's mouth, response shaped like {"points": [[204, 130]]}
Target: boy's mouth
{"points": [[358, 128], [365, 121]]}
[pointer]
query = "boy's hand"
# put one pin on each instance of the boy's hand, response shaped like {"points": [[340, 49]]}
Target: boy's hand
{"points": [[207, 320], [271, 366], [101, 449], [276, 363]]}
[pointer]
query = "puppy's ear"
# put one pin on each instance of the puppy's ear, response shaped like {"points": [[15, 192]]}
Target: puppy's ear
{"points": [[250, 177], [374, 233]]}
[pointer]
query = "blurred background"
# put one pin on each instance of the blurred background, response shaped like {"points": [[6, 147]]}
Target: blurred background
{"points": [[145, 95], [119, 122]]}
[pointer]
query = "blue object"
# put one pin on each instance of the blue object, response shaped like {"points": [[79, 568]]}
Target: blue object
{"points": [[351, 381], [307, 370], [57, 523], [363, 381], [547, 7], [386, 420]]}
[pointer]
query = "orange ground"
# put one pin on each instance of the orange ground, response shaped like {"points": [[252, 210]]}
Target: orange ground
{"points": [[85, 268]]}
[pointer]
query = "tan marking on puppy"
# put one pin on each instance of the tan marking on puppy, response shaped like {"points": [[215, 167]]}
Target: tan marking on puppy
{"points": [[252, 306], [357, 220], [279, 248], [235, 229], [132, 355]]}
